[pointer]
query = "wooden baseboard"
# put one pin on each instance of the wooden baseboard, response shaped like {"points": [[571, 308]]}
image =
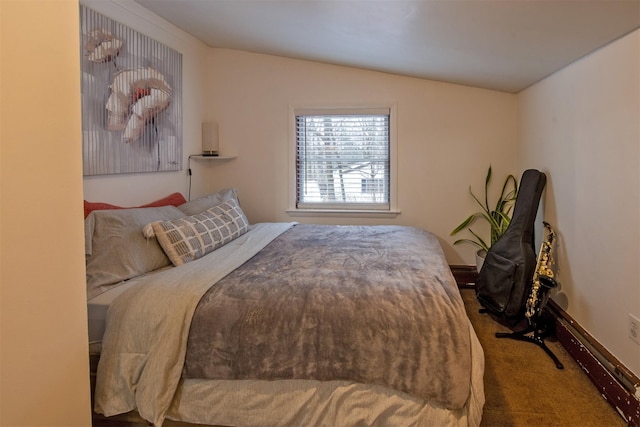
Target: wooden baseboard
{"points": [[617, 384], [465, 275]]}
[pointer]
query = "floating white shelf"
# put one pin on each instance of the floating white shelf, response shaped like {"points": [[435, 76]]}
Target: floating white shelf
{"points": [[201, 157]]}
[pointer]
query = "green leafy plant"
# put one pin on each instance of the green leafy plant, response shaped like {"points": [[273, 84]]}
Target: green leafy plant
{"points": [[498, 218]]}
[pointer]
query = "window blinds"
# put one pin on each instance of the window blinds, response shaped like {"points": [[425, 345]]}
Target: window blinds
{"points": [[342, 159]]}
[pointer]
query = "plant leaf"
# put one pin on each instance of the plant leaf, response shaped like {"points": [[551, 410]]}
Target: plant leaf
{"points": [[486, 189], [481, 242], [467, 222], [476, 244], [506, 198], [484, 208]]}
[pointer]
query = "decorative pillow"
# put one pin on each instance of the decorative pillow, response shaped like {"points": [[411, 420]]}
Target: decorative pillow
{"points": [[174, 199], [116, 248], [207, 202], [192, 237]]}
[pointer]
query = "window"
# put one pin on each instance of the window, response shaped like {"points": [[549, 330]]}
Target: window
{"points": [[343, 159]]}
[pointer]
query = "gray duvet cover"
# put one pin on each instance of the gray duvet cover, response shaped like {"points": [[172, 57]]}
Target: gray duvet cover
{"points": [[367, 304]]}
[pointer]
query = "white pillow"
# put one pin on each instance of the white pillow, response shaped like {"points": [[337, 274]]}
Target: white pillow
{"points": [[191, 237]]}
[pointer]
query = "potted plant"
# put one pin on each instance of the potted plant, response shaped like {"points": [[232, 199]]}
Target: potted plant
{"points": [[498, 218]]}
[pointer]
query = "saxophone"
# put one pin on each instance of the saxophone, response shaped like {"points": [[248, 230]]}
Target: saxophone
{"points": [[543, 280]]}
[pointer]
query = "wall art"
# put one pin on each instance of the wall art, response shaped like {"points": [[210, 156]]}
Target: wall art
{"points": [[131, 99]]}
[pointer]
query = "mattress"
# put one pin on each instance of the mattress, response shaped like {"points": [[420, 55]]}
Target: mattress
{"points": [[97, 310]]}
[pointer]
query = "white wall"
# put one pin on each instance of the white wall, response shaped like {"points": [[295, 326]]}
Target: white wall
{"points": [[43, 328], [582, 125], [135, 189], [447, 137]]}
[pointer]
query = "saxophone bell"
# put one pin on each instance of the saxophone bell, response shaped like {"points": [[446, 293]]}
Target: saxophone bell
{"points": [[548, 282]]}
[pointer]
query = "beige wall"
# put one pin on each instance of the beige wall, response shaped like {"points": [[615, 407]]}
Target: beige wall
{"points": [[447, 135], [43, 348], [582, 126]]}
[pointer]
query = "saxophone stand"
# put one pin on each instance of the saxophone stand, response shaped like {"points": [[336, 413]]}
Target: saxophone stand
{"points": [[537, 338], [534, 310]]}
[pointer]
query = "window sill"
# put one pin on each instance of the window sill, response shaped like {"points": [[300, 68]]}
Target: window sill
{"points": [[342, 213]]}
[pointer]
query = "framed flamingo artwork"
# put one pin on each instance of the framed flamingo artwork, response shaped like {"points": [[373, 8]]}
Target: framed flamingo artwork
{"points": [[131, 99]]}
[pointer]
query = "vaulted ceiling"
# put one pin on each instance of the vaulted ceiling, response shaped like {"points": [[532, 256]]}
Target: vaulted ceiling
{"points": [[504, 45]]}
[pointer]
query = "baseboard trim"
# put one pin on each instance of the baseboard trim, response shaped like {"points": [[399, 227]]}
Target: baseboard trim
{"points": [[617, 384], [465, 275]]}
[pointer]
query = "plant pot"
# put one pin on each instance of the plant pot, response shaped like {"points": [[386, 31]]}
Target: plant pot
{"points": [[480, 256]]}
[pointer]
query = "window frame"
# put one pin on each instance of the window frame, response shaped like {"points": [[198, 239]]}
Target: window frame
{"points": [[334, 210]]}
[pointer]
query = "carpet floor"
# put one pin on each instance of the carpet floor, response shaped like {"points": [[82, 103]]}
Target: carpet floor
{"points": [[524, 388]]}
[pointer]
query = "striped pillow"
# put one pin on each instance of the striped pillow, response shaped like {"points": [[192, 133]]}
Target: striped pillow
{"points": [[192, 237]]}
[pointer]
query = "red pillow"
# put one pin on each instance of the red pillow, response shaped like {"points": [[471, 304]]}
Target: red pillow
{"points": [[175, 199]]}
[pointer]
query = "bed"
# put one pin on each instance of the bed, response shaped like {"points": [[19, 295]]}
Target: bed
{"points": [[202, 318]]}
